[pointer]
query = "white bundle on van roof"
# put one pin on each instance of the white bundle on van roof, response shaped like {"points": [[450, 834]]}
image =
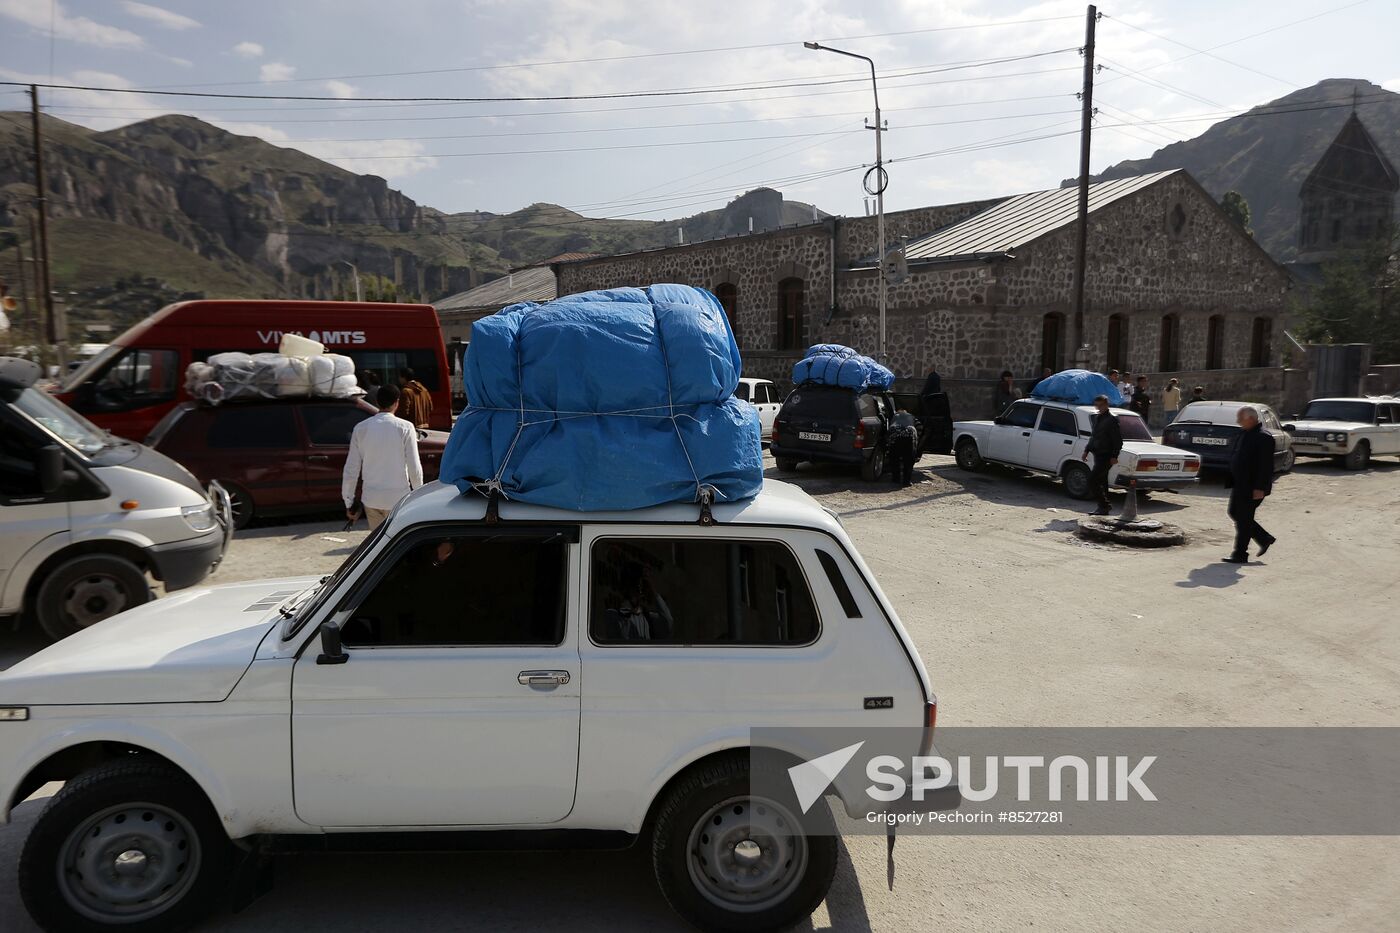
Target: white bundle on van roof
{"points": [[233, 375]]}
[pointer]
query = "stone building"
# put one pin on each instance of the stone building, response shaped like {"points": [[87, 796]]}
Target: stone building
{"points": [[1173, 287], [1348, 199]]}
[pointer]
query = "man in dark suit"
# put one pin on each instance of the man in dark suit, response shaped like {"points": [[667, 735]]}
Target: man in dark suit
{"points": [[1105, 443], [1251, 479]]}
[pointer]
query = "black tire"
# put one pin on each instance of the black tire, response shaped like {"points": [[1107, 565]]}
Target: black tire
{"points": [[690, 802], [85, 590], [1359, 458], [1078, 481], [873, 467], [1290, 460], [240, 504], [968, 456], [787, 465], [182, 856]]}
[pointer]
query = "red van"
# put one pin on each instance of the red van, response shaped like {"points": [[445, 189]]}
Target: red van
{"points": [[130, 386]]}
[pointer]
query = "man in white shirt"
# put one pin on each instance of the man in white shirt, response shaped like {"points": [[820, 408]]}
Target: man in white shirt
{"points": [[383, 460]]}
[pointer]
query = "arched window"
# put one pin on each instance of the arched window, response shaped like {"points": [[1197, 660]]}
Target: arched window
{"points": [[728, 295], [1118, 342], [790, 303], [1261, 350], [1215, 342], [1169, 348], [1052, 341]]}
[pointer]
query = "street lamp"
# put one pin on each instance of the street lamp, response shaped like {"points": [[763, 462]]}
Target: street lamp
{"points": [[877, 187], [355, 269]]}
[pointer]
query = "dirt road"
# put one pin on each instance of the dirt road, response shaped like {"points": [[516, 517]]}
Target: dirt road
{"points": [[1020, 623]]}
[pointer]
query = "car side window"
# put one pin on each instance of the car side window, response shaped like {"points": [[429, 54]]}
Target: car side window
{"points": [[741, 392], [1383, 414], [1021, 415], [866, 406], [137, 378], [764, 394], [260, 427], [331, 425], [1058, 421], [446, 589], [19, 477], [698, 591]]}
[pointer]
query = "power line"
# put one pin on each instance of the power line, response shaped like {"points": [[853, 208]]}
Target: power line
{"points": [[1205, 52]]}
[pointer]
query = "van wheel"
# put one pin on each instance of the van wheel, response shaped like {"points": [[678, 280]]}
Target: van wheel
{"points": [[1359, 458], [1078, 481], [967, 455], [86, 590], [726, 859], [786, 465], [240, 504], [131, 844], [874, 466]]}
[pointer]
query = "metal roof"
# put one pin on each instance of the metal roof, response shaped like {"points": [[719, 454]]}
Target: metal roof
{"points": [[1019, 220], [537, 283]]}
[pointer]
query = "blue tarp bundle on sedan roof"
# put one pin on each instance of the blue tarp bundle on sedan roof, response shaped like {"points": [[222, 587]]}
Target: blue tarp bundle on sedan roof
{"points": [[606, 400], [831, 364], [1079, 386]]}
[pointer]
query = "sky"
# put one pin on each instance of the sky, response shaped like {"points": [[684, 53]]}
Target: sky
{"points": [[980, 98]]}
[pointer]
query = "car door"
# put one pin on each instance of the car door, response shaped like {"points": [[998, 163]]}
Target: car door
{"points": [[458, 703], [327, 427], [1387, 429], [259, 449], [1010, 438], [1053, 439], [26, 512]]}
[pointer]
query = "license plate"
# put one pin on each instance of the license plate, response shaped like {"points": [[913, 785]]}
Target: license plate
{"points": [[813, 436], [1168, 467], [1212, 441]]}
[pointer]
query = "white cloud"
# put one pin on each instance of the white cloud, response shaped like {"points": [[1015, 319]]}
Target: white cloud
{"points": [[248, 50], [1392, 85], [276, 71], [166, 19], [388, 158], [341, 88], [66, 26]]}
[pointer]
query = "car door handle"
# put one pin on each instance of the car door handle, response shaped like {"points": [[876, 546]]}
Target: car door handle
{"points": [[1068, 441], [1025, 434], [317, 457], [543, 678]]}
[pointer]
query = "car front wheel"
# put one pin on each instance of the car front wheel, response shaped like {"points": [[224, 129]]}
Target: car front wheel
{"points": [[728, 859], [132, 844], [1359, 457], [86, 590], [967, 455]]}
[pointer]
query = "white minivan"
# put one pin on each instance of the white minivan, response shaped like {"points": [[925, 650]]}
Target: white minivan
{"points": [[86, 516]]}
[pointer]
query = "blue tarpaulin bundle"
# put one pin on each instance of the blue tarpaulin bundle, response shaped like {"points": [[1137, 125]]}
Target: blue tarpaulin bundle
{"points": [[1079, 386], [606, 400], [831, 364]]}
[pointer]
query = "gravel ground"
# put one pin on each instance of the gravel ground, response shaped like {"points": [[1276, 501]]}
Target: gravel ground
{"points": [[1020, 623]]}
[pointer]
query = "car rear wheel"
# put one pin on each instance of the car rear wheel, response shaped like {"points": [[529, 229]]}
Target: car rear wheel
{"points": [[967, 455], [1359, 457], [1077, 481], [131, 844], [787, 465], [728, 859], [874, 466], [240, 505], [1290, 460], [85, 590]]}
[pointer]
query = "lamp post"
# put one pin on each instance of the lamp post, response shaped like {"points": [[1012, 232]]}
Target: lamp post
{"points": [[355, 269], [881, 181]]}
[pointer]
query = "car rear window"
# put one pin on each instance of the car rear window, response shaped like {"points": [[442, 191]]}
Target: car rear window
{"points": [[699, 591], [263, 427], [822, 402], [1134, 428]]}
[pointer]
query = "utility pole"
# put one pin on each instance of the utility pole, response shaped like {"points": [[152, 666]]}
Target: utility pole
{"points": [[38, 281], [359, 296], [1085, 129], [23, 284], [41, 248]]}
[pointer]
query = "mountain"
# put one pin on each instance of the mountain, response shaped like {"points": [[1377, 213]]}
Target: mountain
{"points": [[1266, 152], [183, 206]]}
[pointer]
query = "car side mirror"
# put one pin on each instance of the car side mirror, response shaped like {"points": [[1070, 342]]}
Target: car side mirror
{"points": [[331, 650], [1290, 428], [49, 463]]}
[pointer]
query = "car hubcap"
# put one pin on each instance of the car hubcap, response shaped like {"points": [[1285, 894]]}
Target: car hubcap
{"points": [[129, 862], [747, 854], [94, 598]]}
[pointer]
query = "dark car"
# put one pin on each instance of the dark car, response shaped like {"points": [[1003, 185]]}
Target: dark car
{"points": [[831, 424], [274, 456], [1209, 430]]}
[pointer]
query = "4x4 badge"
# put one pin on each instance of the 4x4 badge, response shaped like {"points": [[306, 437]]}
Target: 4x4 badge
{"points": [[879, 702]]}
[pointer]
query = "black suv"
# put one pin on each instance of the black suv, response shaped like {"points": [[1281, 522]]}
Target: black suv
{"points": [[830, 424]]}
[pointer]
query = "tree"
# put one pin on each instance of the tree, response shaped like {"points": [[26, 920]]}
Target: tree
{"points": [[1237, 209], [1358, 301]]}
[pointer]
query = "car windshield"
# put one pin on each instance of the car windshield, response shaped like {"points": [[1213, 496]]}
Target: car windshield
{"points": [[304, 605], [1133, 428], [1364, 412], [69, 426]]}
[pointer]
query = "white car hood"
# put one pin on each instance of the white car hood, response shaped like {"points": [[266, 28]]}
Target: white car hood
{"points": [[189, 647], [1328, 425]]}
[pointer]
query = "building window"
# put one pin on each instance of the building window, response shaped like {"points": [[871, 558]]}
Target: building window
{"points": [[1215, 342], [1169, 348], [1118, 342], [1261, 350], [728, 295], [1052, 341], [790, 301]]}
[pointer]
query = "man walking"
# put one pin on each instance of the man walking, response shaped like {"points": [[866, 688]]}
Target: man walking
{"points": [[1142, 399], [1004, 394], [1251, 479], [1105, 443], [416, 403], [383, 460], [1171, 401]]}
